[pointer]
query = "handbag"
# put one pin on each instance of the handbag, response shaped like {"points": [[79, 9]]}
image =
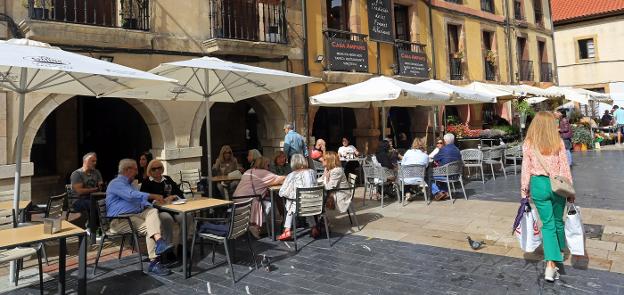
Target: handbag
{"points": [[558, 184]]}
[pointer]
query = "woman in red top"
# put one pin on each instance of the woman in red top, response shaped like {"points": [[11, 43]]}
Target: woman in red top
{"points": [[544, 154]]}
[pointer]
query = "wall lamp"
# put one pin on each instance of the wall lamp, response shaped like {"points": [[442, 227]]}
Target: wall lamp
{"points": [[319, 58]]}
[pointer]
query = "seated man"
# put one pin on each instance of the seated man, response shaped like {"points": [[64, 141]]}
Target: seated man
{"points": [[449, 153], [122, 198], [84, 181]]}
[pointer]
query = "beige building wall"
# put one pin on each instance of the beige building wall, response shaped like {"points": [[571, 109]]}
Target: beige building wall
{"points": [[606, 67]]}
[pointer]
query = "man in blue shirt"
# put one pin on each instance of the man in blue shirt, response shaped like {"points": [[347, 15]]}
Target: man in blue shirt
{"points": [[123, 199], [449, 153], [294, 143], [618, 116]]}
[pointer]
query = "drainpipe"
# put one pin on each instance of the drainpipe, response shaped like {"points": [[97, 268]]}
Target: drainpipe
{"points": [[552, 28], [509, 52], [433, 66], [306, 70]]}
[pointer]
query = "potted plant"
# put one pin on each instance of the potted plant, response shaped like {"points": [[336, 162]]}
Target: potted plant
{"points": [[40, 8], [581, 138], [490, 57]]}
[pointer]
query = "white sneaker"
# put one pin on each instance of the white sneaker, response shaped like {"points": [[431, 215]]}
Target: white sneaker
{"points": [[551, 274], [408, 196]]}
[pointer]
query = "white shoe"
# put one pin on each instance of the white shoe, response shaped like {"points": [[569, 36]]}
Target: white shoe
{"points": [[551, 274], [408, 196]]}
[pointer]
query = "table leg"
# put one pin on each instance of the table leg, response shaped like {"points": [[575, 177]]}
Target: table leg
{"points": [[184, 246], [273, 215], [62, 254], [82, 265]]}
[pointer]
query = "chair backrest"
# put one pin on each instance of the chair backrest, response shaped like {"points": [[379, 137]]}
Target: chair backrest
{"points": [[450, 169], [352, 178], [239, 219], [310, 201], [472, 156], [318, 167], [494, 154], [412, 171], [55, 206], [7, 219], [514, 151], [192, 176], [369, 172], [104, 222]]}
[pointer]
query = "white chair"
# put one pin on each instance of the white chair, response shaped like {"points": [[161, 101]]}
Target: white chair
{"points": [[473, 158], [189, 180], [493, 157], [450, 174], [514, 153], [415, 173]]}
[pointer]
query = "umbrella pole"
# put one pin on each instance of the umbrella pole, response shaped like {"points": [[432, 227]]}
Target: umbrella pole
{"points": [[18, 158], [208, 146], [383, 121]]}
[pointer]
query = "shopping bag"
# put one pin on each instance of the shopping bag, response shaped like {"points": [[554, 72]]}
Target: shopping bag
{"points": [[574, 231], [527, 232]]}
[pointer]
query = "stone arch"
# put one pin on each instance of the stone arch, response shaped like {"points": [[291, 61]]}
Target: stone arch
{"points": [[155, 116], [271, 109]]}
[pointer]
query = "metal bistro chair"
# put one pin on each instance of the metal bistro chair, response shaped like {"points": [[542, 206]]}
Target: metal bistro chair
{"points": [[352, 178], [493, 157], [375, 175], [413, 171], [514, 154], [310, 202], [237, 226], [473, 158], [108, 234], [69, 203], [450, 174], [53, 209], [8, 220], [189, 180]]}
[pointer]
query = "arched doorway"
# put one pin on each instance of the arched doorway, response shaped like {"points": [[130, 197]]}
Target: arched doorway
{"points": [[234, 124], [111, 127], [331, 124]]}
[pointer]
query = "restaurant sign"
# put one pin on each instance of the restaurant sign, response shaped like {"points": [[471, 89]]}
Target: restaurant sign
{"points": [[413, 64], [347, 55], [380, 21]]}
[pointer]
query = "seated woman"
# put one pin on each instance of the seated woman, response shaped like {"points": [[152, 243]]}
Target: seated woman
{"points": [[334, 177], [318, 150], [256, 182], [160, 184], [144, 159], [415, 156], [387, 159], [279, 165], [301, 177], [225, 164]]}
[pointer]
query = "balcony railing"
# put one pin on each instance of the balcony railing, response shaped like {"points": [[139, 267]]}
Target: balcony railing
{"points": [[526, 70], [134, 14], [487, 5], [546, 72], [409, 46], [518, 15], [490, 70], [250, 20], [455, 66]]}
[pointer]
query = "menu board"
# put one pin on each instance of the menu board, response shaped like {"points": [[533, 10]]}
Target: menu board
{"points": [[347, 55], [413, 64], [380, 21]]}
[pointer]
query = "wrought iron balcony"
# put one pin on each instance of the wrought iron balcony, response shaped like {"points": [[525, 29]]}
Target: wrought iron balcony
{"points": [[546, 72], [526, 70], [250, 20], [518, 11], [409, 46], [490, 70], [134, 14], [455, 67], [487, 5]]}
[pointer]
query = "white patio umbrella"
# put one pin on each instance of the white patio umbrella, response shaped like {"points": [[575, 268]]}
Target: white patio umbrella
{"points": [[28, 66], [500, 91], [536, 99], [459, 95], [210, 79]]}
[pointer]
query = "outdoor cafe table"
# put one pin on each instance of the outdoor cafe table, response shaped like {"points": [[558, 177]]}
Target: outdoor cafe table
{"points": [[28, 235], [224, 178], [191, 206]]}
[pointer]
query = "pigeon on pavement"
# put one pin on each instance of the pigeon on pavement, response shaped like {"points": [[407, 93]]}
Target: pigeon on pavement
{"points": [[474, 244]]}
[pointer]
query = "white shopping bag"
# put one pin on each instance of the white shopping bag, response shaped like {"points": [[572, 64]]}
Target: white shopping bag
{"points": [[574, 231], [528, 233]]}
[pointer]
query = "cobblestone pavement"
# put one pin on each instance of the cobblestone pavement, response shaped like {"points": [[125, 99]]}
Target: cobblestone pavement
{"points": [[598, 180], [356, 265]]}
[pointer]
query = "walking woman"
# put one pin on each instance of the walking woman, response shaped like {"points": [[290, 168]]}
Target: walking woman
{"points": [[544, 154]]}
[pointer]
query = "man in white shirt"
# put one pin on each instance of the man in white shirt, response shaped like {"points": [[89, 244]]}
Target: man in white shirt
{"points": [[415, 156], [347, 149]]}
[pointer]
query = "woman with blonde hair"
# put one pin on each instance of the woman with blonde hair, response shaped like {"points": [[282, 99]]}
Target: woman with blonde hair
{"points": [[544, 155], [334, 177], [224, 165]]}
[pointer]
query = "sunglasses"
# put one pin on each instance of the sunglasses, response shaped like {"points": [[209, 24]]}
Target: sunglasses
{"points": [[439, 142], [157, 168]]}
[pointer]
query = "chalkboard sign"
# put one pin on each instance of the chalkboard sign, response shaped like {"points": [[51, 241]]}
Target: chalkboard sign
{"points": [[380, 21], [347, 55], [413, 64]]}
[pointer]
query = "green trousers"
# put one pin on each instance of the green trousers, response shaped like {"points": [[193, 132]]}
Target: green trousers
{"points": [[550, 207]]}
